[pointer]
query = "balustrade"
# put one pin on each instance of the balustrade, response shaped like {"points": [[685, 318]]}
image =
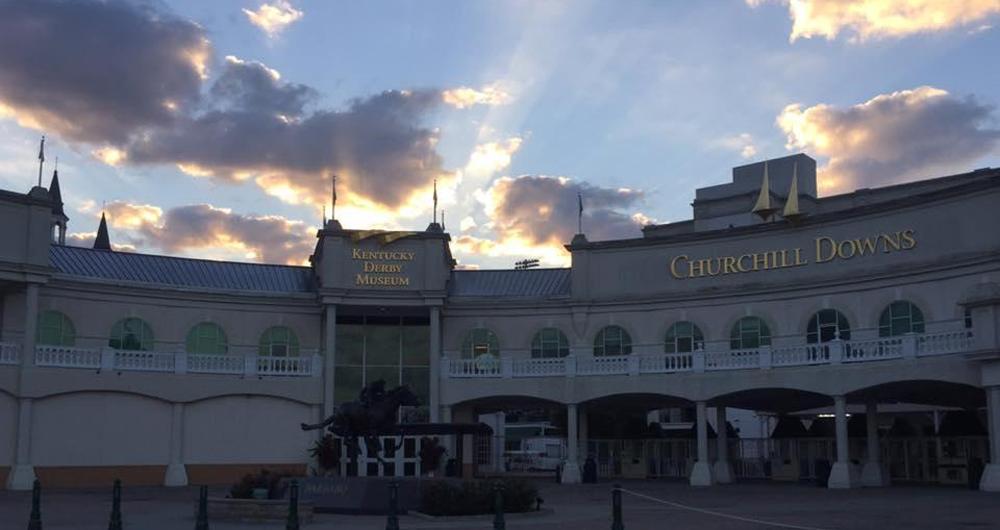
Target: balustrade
{"points": [[10, 353], [766, 357], [67, 357]]}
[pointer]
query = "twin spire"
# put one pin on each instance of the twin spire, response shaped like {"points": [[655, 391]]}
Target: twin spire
{"points": [[763, 207]]}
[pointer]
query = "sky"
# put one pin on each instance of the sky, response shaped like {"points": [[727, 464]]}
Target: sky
{"points": [[212, 129]]}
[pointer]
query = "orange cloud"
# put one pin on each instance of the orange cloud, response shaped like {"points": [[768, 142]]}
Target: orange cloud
{"points": [[892, 137], [874, 19], [463, 97], [273, 18]]}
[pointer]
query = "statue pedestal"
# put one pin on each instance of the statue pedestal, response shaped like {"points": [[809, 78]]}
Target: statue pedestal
{"points": [[358, 495]]}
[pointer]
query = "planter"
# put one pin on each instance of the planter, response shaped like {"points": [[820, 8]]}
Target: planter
{"points": [[254, 510]]}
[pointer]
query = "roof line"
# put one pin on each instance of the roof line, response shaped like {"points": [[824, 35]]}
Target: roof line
{"points": [[185, 258]]}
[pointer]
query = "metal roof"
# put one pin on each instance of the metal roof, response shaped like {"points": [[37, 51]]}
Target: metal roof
{"points": [[536, 283], [180, 272]]}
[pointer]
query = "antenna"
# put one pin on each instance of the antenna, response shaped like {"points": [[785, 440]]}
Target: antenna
{"points": [[333, 202], [442, 219], [525, 264], [41, 160], [435, 201]]}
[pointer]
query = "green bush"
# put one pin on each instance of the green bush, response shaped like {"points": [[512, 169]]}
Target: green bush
{"points": [[474, 497]]}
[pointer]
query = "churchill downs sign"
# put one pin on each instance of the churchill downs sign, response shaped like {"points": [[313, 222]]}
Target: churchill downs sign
{"points": [[825, 249]]}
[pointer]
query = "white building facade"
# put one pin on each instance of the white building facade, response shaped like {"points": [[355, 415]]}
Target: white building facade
{"points": [[166, 370]]}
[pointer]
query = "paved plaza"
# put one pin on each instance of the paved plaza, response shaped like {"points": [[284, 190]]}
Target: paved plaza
{"points": [[581, 507]]}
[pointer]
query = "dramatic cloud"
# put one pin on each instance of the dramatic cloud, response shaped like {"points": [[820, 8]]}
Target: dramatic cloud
{"points": [[535, 215], [491, 157], [376, 146], [204, 229], [274, 17], [872, 19], [97, 71], [464, 97], [893, 137], [251, 86]]}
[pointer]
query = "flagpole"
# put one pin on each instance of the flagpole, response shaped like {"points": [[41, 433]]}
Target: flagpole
{"points": [[41, 160]]}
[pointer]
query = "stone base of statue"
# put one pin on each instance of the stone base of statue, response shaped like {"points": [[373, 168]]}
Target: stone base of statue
{"points": [[358, 495]]}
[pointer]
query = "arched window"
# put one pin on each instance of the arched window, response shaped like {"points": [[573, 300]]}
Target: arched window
{"points": [[683, 337], [826, 325], [279, 341], [900, 318], [612, 340], [55, 329], [749, 332], [968, 318], [207, 338], [549, 342], [480, 341], [131, 334]]}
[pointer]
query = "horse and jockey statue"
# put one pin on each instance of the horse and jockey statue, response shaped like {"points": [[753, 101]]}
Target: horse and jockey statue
{"points": [[374, 414]]}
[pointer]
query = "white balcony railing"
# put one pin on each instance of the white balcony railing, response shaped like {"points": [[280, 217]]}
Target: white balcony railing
{"points": [[710, 360], [310, 365], [10, 353]]}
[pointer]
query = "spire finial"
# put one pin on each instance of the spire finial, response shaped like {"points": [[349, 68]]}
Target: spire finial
{"points": [[333, 202], [41, 160], [435, 200], [442, 219], [579, 213], [791, 211], [763, 206]]}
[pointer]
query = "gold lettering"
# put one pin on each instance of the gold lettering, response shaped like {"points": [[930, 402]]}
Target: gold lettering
{"points": [[819, 249], [673, 266], [798, 258], [718, 266], [729, 265], [739, 263], [840, 249], [909, 239], [890, 240], [760, 261], [866, 246], [784, 258], [701, 268]]}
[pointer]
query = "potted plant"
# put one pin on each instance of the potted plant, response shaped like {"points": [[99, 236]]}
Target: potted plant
{"points": [[431, 452], [326, 451]]}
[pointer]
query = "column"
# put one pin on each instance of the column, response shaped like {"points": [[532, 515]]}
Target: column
{"points": [[176, 473], [842, 475], [30, 325], [22, 473], [330, 350], [872, 474], [435, 381], [571, 468], [723, 469], [584, 427], [701, 473], [990, 480]]}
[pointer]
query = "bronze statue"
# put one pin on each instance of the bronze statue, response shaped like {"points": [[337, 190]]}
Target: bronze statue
{"points": [[375, 413]]}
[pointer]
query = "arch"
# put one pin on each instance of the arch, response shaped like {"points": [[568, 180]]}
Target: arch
{"points": [[55, 329], [749, 332], [480, 341], [548, 343], [899, 318], [278, 341], [207, 338], [131, 333], [772, 399], [612, 340], [826, 325], [683, 337], [505, 402], [922, 392]]}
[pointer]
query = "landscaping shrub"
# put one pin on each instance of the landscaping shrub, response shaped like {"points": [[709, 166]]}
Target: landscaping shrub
{"points": [[474, 497], [263, 479]]}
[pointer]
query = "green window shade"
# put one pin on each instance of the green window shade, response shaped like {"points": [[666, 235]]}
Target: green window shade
{"points": [[480, 341], [279, 341], [612, 340], [416, 346], [382, 345], [131, 334], [207, 338], [389, 374], [900, 318], [549, 343], [826, 325], [418, 379], [683, 337], [749, 333], [55, 329]]}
